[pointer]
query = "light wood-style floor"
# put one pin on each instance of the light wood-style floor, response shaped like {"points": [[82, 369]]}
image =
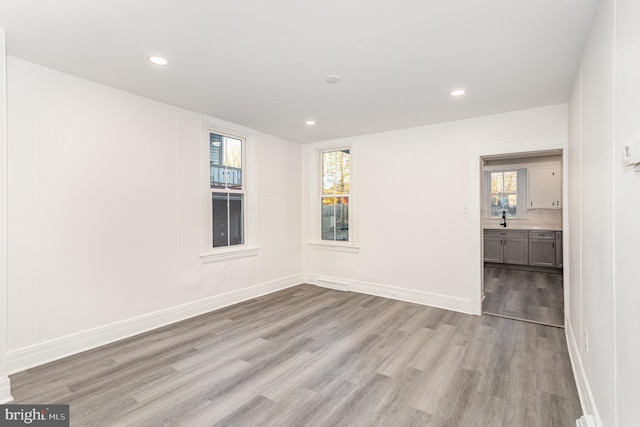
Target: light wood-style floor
{"points": [[309, 356], [533, 296]]}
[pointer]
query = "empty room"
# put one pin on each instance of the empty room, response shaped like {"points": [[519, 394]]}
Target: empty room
{"points": [[284, 213]]}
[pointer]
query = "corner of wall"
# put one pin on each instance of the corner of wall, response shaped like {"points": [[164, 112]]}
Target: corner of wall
{"points": [[5, 385], [582, 384]]}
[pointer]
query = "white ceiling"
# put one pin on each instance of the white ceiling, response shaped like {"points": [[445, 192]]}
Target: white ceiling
{"points": [[262, 63]]}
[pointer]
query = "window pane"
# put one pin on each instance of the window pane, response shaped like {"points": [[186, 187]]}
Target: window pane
{"points": [[236, 222], [510, 182], [335, 218], [220, 220], [342, 219], [496, 210], [217, 170], [504, 202], [328, 218], [497, 184], [233, 162], [511, 204], [228, 219], [336, 172], [225, 159]]}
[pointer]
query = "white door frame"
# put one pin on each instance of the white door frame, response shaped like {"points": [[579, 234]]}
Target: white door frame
{"points": [[475, 210]]}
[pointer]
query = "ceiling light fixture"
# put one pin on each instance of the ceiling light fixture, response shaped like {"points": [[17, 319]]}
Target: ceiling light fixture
{"points": [[458, 92], [310, 122], [332, 79], [158, 60]]}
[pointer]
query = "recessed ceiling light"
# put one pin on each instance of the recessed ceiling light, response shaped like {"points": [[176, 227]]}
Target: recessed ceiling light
{"points": [[310, 122], [458, 92], [158, 60], [332, 79]]}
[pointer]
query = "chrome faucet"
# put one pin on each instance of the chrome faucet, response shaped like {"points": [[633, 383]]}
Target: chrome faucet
{"points": [[504, 219]]}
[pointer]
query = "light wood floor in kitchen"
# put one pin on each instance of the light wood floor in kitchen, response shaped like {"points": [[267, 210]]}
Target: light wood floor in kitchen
{"points": [[309, 356], [535, 296]]}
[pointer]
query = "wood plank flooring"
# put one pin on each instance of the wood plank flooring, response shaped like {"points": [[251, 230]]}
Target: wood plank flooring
{"points": [[309, 356], [528, 295]]}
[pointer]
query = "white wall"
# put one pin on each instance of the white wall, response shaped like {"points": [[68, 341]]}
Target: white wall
{"points": [[626, 218], [107, 216], [413, 195], [5, 389], [280, 207], [604, 290]]}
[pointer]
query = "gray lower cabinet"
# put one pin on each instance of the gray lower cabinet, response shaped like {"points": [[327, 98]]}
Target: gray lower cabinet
{"points": [[516, 250], [559, 262], [542, 248], [508, 246], [493, 249]]}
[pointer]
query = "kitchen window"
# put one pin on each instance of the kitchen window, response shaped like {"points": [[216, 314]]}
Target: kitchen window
{"points": [[505, 191]]}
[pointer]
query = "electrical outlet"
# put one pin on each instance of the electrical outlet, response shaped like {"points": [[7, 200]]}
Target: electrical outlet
{"points": [[586, 341], [231, 273]]}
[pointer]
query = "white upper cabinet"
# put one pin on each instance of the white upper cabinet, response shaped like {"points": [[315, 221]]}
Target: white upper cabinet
{"points": [[544, 188]]}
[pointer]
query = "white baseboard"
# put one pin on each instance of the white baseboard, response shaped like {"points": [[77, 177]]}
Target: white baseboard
{"points": [[5, 390], [425, 298], [28, 357], [584, 390], [332, 284]]}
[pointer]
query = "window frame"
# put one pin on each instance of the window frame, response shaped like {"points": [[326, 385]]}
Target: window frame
{"points": [[323, 196], [519, 203], [249, 191], [228, 191], [315, 152]]}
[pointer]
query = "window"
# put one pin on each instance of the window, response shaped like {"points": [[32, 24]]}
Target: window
{"points": [[228, 192], [504, 193], [334, 195], [227, 189]]}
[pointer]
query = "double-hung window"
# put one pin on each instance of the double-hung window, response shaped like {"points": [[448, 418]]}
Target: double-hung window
{"points": [[229, 202], [227, 189], [335, 195], [506, 192]]}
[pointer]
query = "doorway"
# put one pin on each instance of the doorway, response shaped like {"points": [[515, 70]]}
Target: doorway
{"points": [[522, 227]]}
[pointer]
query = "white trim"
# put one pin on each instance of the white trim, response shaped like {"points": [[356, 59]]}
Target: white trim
{"points": [[401, 294], [475, 205], [335, 247], [229, 254], [5, 385], [35, 355], [584, 390], [5, 390], [332, 284]]}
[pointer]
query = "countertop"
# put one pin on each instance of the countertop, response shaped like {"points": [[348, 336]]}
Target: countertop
{"points": [[518, 226]]}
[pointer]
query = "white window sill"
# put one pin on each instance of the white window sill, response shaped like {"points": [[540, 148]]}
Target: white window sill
{"points": [[227, 254], [335, 247]]}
